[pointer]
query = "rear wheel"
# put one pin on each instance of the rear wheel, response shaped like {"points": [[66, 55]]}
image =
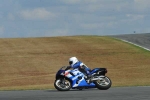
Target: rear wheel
{"points": [[62, 84], [104, 83]]}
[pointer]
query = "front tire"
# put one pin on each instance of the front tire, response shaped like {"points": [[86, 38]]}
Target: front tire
{"points": [[62, 86], [103, 84]]}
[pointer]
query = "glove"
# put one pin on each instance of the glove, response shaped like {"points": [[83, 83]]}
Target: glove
{"points": [[68, 67]]}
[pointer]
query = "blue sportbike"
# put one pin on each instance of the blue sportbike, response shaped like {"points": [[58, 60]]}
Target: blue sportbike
{"points": [[75, 79]]}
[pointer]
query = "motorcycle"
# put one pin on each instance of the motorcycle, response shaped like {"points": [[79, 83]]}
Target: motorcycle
{"points": [[75, 79]]}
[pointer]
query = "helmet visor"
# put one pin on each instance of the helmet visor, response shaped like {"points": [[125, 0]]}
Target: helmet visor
{"points": [[70, 62]]}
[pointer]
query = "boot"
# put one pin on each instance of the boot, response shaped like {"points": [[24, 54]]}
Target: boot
{"points": [[88, 78]]}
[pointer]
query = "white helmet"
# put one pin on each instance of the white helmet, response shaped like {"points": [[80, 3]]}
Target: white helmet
{"points": [[73, 60]]}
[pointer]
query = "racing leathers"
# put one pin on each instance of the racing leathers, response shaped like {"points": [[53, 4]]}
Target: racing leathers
{"points": [[83, 68]]}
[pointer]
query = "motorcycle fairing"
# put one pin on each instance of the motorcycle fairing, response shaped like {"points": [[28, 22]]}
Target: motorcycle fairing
{"points": [[76, 82]]}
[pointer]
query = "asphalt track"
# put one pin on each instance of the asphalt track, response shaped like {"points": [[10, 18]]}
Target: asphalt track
{"points": [[118, 93], [142, 40]]}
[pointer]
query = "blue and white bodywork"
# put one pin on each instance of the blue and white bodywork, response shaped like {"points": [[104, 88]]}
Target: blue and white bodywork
{"points": [[78, 79], [67, 79]]}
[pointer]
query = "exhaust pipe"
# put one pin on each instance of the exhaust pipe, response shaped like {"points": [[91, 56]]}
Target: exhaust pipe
{"points": [[97, 78]]}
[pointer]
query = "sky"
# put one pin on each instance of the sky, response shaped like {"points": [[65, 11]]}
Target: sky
{"points": [[48, 18]]}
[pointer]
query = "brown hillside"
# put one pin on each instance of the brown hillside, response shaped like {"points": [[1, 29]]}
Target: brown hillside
{"points": [[31, 63]]}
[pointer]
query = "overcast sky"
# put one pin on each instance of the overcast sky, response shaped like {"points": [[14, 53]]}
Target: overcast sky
{"points": [[44, 18]]}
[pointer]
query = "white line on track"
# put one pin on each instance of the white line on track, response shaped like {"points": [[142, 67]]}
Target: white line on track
{"points": [[136, 44]]}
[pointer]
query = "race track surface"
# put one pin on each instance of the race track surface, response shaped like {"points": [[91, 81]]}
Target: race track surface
{"points": [[119, 93], [139, 39]]}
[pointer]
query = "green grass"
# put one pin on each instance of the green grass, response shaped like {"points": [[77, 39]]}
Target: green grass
{"points": [[31, 63]]}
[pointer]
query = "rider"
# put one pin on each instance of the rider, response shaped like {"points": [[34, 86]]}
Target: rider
{"points": [[75, 63]]}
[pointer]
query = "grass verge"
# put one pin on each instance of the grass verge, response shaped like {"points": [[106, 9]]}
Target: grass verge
{"points": [[31, 63]]}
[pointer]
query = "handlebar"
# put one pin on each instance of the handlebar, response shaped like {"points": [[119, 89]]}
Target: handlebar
{"points": [[65, 67]]}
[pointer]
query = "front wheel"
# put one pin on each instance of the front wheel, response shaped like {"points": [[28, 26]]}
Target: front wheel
{"points": [[62, 84], [103, 84]]}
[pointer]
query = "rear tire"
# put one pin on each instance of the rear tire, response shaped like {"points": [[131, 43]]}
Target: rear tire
{"points": [[103, 84], [62, 87]]}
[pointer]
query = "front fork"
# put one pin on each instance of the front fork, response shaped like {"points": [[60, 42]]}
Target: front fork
{"points": [[62, 82]]}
